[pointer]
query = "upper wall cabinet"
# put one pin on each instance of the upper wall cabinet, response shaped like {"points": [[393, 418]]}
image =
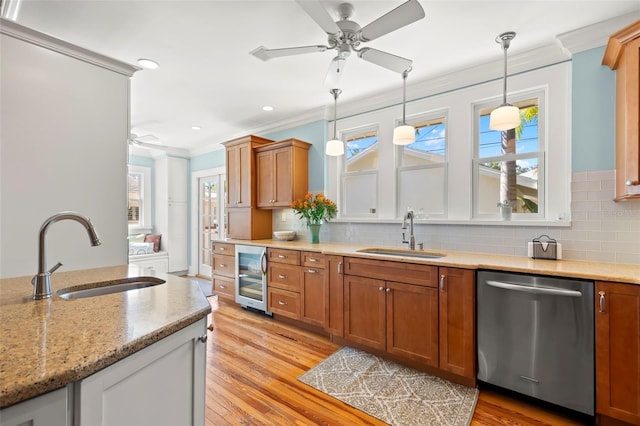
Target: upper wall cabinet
{"points": [[283, 173], [623, 55]]}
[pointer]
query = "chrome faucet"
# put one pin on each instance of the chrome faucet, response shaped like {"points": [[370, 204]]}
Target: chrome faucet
{"points": [[42, 281], [412, 239]]}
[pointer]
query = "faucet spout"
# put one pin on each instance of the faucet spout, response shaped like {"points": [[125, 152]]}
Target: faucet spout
{"points": [[42, 281], [412, 239]]}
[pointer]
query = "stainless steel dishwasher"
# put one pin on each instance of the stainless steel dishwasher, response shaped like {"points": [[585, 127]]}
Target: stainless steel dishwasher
{"points": [[536, 337]]}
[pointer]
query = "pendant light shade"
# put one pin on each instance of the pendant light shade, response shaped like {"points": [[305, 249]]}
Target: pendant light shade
{"points": [[404, 134], [335, 147], [506, 116]]}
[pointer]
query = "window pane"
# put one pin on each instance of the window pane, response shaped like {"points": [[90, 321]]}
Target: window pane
{"points": [[360, 194], [361, 152], [526, 136], [422, 190], [429, 147], [134, 182], [493, 175]]}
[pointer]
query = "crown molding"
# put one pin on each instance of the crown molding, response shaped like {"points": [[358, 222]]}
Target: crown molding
{"points": [[595, 35], [49, 42]]}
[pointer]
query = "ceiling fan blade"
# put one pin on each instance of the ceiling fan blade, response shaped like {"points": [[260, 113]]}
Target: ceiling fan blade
{"points": [[136, 142], [320, 15], [402, 15], [146, 138], [266, 54], [336, 69], [386, 60]]}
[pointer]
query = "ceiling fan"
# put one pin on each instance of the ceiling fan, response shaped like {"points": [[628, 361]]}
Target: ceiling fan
{"points": [[146, 141], [346, 36]]}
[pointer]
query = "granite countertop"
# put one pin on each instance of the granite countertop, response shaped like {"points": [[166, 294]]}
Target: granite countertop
{"points": [[616, 272], [46, 344]]}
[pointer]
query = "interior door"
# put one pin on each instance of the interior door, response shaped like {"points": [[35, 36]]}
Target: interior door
{"points": [[211, 223]]}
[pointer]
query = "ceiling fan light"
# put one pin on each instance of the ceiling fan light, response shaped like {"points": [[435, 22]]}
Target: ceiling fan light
{"points": [[334, 147], [505, 117], [404, 135]]}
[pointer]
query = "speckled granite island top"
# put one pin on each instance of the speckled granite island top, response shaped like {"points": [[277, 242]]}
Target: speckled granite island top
{"points": [[46, 344], [623, 273]]}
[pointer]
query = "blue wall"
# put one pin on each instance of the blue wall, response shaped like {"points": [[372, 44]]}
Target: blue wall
{"points": [[316, 134], [593, 112], [209, 160]]}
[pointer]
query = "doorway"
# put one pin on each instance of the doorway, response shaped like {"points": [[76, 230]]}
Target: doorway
{"points": [[211, 186]]}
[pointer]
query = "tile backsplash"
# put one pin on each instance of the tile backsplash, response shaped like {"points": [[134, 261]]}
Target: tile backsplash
{"points": [[601, 230]]}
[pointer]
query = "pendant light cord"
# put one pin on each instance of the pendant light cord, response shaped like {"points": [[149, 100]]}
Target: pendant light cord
{"points": [[504, 82], [405, 73], [335, 93]]}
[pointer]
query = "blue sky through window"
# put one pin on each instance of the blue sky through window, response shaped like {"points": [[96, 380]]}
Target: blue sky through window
{"points": [[490, 139]]}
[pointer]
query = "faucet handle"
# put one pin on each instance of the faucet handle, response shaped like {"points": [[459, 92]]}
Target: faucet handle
{"points": [[55, 267], [420, 246]]}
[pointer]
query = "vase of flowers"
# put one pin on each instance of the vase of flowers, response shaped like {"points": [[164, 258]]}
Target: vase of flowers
{"points": [[315, 209]]}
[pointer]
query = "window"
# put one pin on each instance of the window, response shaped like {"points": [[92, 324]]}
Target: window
{"points": [[422, 169], [360, 173], [139, 199], [509, 166]]}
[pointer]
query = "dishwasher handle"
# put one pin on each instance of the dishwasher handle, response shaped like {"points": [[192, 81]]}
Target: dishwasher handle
{"points": [[534, 290]]}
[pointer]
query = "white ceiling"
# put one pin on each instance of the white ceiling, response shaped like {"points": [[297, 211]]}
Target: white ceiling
{"points": [[208, 78]]}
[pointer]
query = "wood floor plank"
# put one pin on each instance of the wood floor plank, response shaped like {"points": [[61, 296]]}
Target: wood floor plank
{"points": [[253, 363]]}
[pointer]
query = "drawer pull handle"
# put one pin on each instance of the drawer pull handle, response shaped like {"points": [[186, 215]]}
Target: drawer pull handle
{"points": [[221, 286], [602, 301], [312, 271], [282, 277], [340, 268], [222, 249], [280, 302], [311, 259], [282, 256], [442, 277], [222, 265]]}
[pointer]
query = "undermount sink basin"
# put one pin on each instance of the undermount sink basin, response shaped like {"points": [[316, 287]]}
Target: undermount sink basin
{"points": [[99, 289], [403, 253]]}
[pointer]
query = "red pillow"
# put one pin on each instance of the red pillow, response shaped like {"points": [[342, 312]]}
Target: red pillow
{"points": [[155, 239]]}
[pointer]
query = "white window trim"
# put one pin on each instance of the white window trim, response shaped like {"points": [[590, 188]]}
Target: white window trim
{"points": [[146, 226], [555, 79]]}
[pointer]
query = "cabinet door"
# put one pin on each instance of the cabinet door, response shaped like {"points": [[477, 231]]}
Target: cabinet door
{"points": [[335, 290], [233, 175], [239, 223], [364, 311], [314, 296], [457, 321], [49, 409], [239, 174], [162, 384], [412, 322], [618, 351], [266, 171], [282, 177]]}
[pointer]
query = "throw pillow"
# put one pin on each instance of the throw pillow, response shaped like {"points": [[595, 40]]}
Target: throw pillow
{"points": [[155, 239]]}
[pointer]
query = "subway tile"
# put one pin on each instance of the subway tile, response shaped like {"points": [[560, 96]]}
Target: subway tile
{"points": [[599, 195], [598, 256], [599, 175], [585, 206], [578, 176], [587, 185], [631, 258]]}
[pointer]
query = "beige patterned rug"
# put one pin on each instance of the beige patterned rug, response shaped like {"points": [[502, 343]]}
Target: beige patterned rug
{"points": [[393, 393]]}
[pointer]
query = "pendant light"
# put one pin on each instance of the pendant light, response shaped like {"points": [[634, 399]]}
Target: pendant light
{"points": [[404, 134], [335, 147], [506, 116]]}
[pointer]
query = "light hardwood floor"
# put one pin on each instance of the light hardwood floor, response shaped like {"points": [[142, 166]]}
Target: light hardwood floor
{"points": [[252, 367]]}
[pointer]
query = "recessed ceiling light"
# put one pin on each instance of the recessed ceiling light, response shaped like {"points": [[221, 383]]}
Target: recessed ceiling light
{"points": [[267, 108], [196, 128], [148, 64]]}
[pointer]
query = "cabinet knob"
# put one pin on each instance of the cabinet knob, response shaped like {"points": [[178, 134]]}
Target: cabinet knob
{"points": [[380, 288], [202, 338], [632, 182], [388, 290]]}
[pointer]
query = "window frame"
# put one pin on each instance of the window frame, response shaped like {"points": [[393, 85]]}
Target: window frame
{"points": [[144, 225], [413, 120]]}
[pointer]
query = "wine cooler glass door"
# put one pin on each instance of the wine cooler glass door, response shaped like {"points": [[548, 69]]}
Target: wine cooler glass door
{"points": [[251, 274]]}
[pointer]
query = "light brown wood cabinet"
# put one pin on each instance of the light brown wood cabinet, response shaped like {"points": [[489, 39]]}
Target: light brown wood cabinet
{"points": [[314, 289], [244, 220], [224, 270], [283, 173], [335, 294], [617, 313], [623, 55], [398, 317]]}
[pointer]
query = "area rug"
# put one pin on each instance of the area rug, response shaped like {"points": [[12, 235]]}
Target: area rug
{"points": [[393, 393]]}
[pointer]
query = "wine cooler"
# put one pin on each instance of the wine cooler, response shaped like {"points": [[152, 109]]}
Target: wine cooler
{"points": [[251, 277]]}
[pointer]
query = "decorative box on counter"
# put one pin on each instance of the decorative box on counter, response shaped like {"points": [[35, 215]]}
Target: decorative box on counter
{"points": [[545, 247]]}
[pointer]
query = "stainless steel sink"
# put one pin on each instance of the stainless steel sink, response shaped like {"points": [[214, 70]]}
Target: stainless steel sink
{"points": [[99, 289], [403, 253]]}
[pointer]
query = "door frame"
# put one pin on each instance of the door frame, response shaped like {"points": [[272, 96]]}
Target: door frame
{"points": [[195, 215]]}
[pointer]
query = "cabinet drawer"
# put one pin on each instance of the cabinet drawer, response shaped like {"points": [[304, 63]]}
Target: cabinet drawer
{"points": [[285, 277], [392, 271], [224, 249], [224, 265], [224, 286], [284, 302], [292, 257], [312, 259]]}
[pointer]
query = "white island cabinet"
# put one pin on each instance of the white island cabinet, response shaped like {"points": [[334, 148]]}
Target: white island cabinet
{"points": [[163, 384], [50, 409]]}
